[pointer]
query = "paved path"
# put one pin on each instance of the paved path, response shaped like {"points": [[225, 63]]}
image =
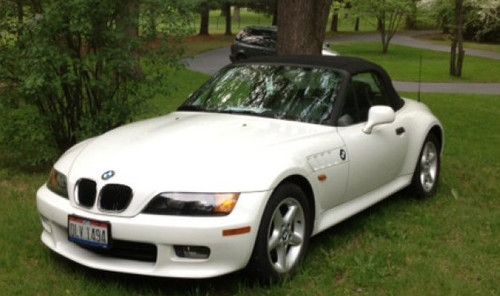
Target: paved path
{"points": [[212, 61], [408, 39]]}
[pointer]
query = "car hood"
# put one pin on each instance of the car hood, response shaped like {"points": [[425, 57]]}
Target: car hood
{"points": [[193, 152]]}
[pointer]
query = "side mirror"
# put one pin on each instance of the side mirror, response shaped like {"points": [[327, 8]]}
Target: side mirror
{"points": [[378, 115]]}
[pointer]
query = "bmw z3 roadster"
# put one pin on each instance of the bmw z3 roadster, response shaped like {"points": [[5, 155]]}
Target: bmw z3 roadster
{"points": [[265, 155]]}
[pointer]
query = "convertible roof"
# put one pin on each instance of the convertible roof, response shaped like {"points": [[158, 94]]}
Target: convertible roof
{"points": [[351, 65]]}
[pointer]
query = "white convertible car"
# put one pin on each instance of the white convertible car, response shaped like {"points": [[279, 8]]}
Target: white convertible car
{"points": [[262, 157]]}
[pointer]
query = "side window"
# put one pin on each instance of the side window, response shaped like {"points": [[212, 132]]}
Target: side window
{"points": [[350, 112], [376, 92], [369, 92], [365, 90]]}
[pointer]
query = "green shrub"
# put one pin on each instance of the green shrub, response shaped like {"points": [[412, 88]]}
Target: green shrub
{"points": [[76, 70], [25, 138]]}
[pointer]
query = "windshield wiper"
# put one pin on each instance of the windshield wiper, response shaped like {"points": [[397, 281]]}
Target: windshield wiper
{"points": [[239, 111], [191, 108]]}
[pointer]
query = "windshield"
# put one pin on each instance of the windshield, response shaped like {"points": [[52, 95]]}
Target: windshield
{"points": [[284, 92]]}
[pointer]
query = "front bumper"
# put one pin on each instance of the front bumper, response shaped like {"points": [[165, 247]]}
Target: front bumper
{"points": [[228, 253]]}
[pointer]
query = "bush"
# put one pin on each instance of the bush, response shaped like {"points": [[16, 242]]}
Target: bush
{"points": [[75, 70], [483, 24], [25, 138]]}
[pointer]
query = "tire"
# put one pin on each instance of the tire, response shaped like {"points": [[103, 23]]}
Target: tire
{"points": [[426, 176], [283, 236], [240, 57]]}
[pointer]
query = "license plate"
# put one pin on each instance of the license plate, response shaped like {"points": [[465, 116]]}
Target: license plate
{"points": [[89, 232]]}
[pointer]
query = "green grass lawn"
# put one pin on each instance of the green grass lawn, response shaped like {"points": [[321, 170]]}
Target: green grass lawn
{"points": [[402, 63], [199, 44], [448, 245], [472, 45]]}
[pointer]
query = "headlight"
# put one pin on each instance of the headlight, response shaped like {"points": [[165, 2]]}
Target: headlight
{"points": [[192, 204], [57, 183]]}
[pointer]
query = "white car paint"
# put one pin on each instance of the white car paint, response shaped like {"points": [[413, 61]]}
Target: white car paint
{"points": [[209, 152], [328, 52]]}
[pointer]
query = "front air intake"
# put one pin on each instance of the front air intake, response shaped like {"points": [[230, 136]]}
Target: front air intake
{"points": [[86, 192], [115, 197]]}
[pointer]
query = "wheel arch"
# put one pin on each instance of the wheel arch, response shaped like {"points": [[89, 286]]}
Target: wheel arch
{"points": [[417, 142], [437, 130], [306, 186]]}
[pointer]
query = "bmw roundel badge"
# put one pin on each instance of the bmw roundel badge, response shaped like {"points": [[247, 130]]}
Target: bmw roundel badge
{"points": [[342, 154], [107, 175]]}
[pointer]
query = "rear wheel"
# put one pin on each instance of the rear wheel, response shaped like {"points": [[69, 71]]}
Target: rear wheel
{"points": [[283, 235], [426, 175], [240, 57]]}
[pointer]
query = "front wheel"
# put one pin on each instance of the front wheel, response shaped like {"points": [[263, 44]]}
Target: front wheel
{"points": [[283, 235], [426, 175]]}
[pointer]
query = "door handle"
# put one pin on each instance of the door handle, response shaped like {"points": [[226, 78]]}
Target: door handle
{"points": [[400, 130]]}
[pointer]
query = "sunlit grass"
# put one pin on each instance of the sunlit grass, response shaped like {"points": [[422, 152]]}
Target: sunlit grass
{"points": [[402, 63]]}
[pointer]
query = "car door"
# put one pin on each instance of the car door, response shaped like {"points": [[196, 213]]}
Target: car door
{"points": [[377, 158]]}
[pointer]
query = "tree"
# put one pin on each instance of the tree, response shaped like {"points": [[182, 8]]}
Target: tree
{"points": [[204, 9], [236, 13], [301, 26], [482, 20], [336, 6], [457, 47], [356, 24], [388, 13], [269, 7], [77, 66], [226, 9], [411, 17]]}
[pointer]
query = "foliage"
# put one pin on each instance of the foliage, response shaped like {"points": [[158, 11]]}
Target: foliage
{"points": [[389, 15], [8, 27], [79, 65], [25, 139], [483, 21], [482, 18]]}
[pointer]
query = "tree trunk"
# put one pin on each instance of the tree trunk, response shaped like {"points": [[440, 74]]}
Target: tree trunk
{"points": [[20, 17], [128, 23], [301, 26], [457, 47], [356, 24], [335, 21], [388, 23], [411, 17], [383, 33], [205, 16], [275, 15], [411, 22], [37, 6], [128, 20], [236, 13], [385, 46], [226, 7]]}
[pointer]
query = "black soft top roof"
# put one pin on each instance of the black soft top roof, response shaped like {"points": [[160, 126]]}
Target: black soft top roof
{"points": [[262, 28], [351, 65]]}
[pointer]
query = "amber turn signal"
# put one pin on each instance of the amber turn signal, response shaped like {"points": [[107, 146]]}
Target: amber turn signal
{"points": [[236, 231]]}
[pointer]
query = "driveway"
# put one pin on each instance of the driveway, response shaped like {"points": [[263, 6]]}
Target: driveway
{"points": [[408, 39], [212, 61]]}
